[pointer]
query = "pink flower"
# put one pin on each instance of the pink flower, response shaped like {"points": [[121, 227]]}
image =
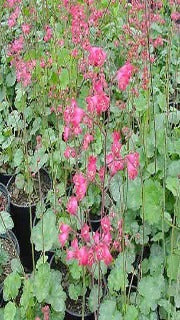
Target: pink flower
{"points": [[16, 46], [106, 224], [70, 152], [48, 34], [85, 233], [72, 205], [101, 173], [26, 28], [77, 116], [96, 57], [107, 256], [66, 133], [91, 168], [98, 103], [124, 75], [132, 160], [83, 256], [175, 16], [80, 185], [88, 138], [91, 258], [116, 146], [63, 236], [158, 42]]}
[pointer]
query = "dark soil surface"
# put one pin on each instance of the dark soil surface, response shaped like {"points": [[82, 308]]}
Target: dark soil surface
{"points": [[3, 202], [20, 198], [8, 246], [71, 305]]}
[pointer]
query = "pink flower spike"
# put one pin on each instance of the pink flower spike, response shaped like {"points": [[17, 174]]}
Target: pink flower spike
{"points": [[96, 57], [124, 75], [85, 233], [72, 205], [83, 256], [91, 168], [132, 160], [106, 224]]}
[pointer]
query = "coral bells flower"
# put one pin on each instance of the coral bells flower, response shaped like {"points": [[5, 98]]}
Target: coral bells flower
{"points": [[91, 168], [72, 205], [85, 233], [98, 103], [106, 224], [116, 146], [158, 42], [64, 233], [96, 57], [88, 138], [124, 75], [80, 185], [45, 310], [132, 160], [26, 28], [16, 46], [13, 17], [82, 256], [70, 152], [48, 34]]}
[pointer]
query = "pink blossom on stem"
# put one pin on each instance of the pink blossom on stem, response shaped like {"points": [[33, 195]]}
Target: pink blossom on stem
{"points": [[72, 205], [80, 185], [96, 57], [26, 28], [91, 168], [88, 138], [132, 161], [48, 34], [124, 75], [82, 256], [106, 224], [85, 233]]}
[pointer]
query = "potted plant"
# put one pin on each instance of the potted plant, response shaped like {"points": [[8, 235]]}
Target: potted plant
{"points": [[26, 191]]}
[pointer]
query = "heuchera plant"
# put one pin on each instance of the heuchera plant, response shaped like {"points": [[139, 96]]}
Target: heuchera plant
{"points": [[88, 89]]}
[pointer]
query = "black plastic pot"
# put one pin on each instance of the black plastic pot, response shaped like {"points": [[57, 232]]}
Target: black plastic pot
{"points": [[70, 315], [5, 192], [4, 178], [9, 235], [95, 224], [21, 218]]}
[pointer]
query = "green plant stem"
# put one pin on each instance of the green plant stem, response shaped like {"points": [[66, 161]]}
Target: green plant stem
{"points": [[84, 292]]}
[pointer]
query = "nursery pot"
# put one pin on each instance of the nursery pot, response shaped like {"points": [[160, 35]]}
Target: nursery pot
{"points": [[95, 222], [9, 236], [70, 315], [4, 178], [21, 216], [5, 193]]}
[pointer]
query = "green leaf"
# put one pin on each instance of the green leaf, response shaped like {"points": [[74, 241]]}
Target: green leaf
{"points": [[173, 185], [11, 79], [116, 188], [12, 285], [131, 314], [153, 194], [74, 291], [9, 311], [134, 194], [108, 310], [64, 79], [20, 181], [42, 282], [18, 157], [6, 222], [56, 296], [27, 297], [45, 234], [93, 298]]}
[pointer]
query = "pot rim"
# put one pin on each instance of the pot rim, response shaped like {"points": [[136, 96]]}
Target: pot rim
{"points": [[16, 245], [5, 191], [77, 314], [33, 204]]}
